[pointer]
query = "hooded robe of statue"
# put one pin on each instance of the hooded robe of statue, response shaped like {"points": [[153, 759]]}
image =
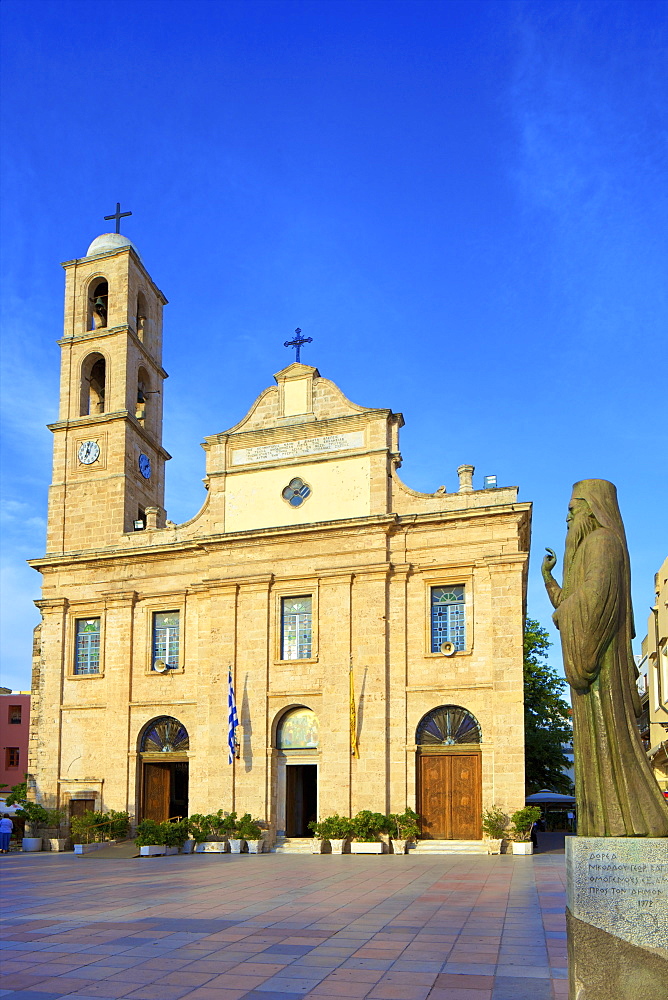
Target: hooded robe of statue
{"points": [[616, 791]]}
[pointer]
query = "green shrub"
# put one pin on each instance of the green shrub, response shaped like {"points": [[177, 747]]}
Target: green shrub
{"points": [[495, 823], [523, 820], [214, 826], [150, 832], [247, 828], [405, 825], [366, 826], [175, 833], [332, 827], [95, 827]]}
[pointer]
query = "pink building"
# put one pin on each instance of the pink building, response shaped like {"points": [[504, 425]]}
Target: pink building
{"points": [[14, 727]]}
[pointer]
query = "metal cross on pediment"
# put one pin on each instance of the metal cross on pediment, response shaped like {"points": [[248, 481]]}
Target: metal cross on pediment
{"points": [[297, 342], [118, 215]]}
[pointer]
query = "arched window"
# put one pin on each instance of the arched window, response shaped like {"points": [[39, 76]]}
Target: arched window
{"points": [[143, 395], [164, 735], [98, 305], [447, 725], [93, 385], [141, 316], [298, 730]]}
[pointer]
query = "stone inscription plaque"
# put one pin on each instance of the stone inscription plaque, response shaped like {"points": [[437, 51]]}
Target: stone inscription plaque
{"points": [[620, 884], [296, 449]]}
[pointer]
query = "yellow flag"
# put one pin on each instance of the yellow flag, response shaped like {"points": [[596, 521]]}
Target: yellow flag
{"points": [[353, 715]]}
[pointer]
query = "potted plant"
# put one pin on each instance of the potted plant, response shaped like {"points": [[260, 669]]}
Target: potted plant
{"points": [[96, 828], [523, 821], [211, 832], [34, 814], [318, 840], [150, 838], [174, 835], [365, 827], [249, 830], [336, 829], [494, 826], [406, 825]]}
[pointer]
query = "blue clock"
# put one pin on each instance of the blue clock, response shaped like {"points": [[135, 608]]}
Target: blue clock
{"points": [[145, 466]]}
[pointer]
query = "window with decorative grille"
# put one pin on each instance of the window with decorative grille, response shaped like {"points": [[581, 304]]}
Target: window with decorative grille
{"points": [[296, 628], [448, 621], [166, 638], [87, 654], [15, 715]]}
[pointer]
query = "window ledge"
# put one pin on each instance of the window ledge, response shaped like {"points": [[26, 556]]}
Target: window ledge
{"points": [[84, 677], [312, 659]]}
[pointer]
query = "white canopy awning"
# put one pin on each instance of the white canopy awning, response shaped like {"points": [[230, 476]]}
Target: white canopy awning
{"points": [[546, 797]]}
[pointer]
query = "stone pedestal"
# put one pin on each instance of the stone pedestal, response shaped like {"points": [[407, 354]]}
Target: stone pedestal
{"points": [[617, 918]]}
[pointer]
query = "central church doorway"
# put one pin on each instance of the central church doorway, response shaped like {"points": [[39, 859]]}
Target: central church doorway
{"points": [[449, 775], [164, 763], [297, 741], [301, 799]]}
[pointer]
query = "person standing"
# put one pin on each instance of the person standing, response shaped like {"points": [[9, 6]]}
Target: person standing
{"points": [[6, 827]]}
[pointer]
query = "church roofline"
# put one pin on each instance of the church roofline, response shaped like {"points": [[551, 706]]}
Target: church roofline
{"points": [[386, 522]]}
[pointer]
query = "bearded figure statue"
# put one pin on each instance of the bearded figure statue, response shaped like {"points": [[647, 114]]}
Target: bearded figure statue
{"points": [[617, 794]]}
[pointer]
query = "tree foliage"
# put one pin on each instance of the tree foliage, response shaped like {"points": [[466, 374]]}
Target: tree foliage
{"points": [[547, 718]]}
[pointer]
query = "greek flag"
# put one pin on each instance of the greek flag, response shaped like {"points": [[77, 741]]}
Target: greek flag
{"points": [[232, 720]]}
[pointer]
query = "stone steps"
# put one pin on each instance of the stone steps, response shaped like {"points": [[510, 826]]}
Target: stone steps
{"points": [[292, 845], [449, 847]]}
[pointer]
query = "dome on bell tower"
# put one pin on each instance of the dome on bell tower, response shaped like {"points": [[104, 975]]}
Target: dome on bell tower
{"points": [[109, 241]]}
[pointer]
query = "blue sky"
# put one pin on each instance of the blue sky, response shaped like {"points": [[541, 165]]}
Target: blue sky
{"points": [[464, 204]]}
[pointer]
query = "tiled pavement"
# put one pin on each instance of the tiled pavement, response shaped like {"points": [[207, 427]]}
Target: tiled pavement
{"points": [[283, 927]]}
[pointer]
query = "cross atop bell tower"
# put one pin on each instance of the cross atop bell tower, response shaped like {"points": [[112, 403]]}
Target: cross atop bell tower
{"points": [[108, 455], [118, 215]]}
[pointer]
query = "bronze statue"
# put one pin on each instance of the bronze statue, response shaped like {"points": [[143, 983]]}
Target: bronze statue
{"points": [[616, 792]]}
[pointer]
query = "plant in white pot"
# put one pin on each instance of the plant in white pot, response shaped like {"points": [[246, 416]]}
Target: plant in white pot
{"points": [[523, 821], [494, 826], [318, 840], [35, 815], [210, 833], [406, 826], [336, 829], [366, 827], [150, 838], [250, 831]]}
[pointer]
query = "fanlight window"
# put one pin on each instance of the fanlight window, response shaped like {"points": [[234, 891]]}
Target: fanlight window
{"points": [[448, 725], [298, 730], [165, 735]]}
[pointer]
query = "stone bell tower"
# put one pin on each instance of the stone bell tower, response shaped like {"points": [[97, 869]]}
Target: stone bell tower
{"points": [[108, 463]]}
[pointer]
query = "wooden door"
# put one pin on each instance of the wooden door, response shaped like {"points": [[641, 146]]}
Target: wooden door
{"points": [[157, 781], [80, 806], [450, 796]]}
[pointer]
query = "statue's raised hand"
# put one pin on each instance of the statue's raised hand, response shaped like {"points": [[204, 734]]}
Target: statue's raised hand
{"points": [[549, 562]]}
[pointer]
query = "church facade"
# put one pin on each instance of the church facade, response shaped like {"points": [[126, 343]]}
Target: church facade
{"points": [[310, 572]]}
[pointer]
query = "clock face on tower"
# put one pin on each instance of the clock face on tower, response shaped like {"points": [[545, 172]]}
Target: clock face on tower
{"points": [[89, 452], [145, 466]]}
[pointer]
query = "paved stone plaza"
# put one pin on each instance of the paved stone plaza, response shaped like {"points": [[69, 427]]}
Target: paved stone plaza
{"points": [[225, 927]]}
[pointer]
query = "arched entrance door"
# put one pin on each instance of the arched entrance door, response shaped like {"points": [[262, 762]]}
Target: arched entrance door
{"points": [[163, 748], [297, 743], [449, 774]]}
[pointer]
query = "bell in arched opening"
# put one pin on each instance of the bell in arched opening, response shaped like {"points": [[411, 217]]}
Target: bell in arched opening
{"points": [[99, 306]]}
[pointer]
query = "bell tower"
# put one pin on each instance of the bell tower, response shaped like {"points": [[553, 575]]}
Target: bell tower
{"points": [[108, 462]]}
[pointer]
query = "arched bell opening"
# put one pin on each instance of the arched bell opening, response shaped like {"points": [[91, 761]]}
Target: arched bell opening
{"points": [[98, 304], [93, 385], [449, 774], [141, 316], [164, 769], [297, 756], [143, 395]]}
